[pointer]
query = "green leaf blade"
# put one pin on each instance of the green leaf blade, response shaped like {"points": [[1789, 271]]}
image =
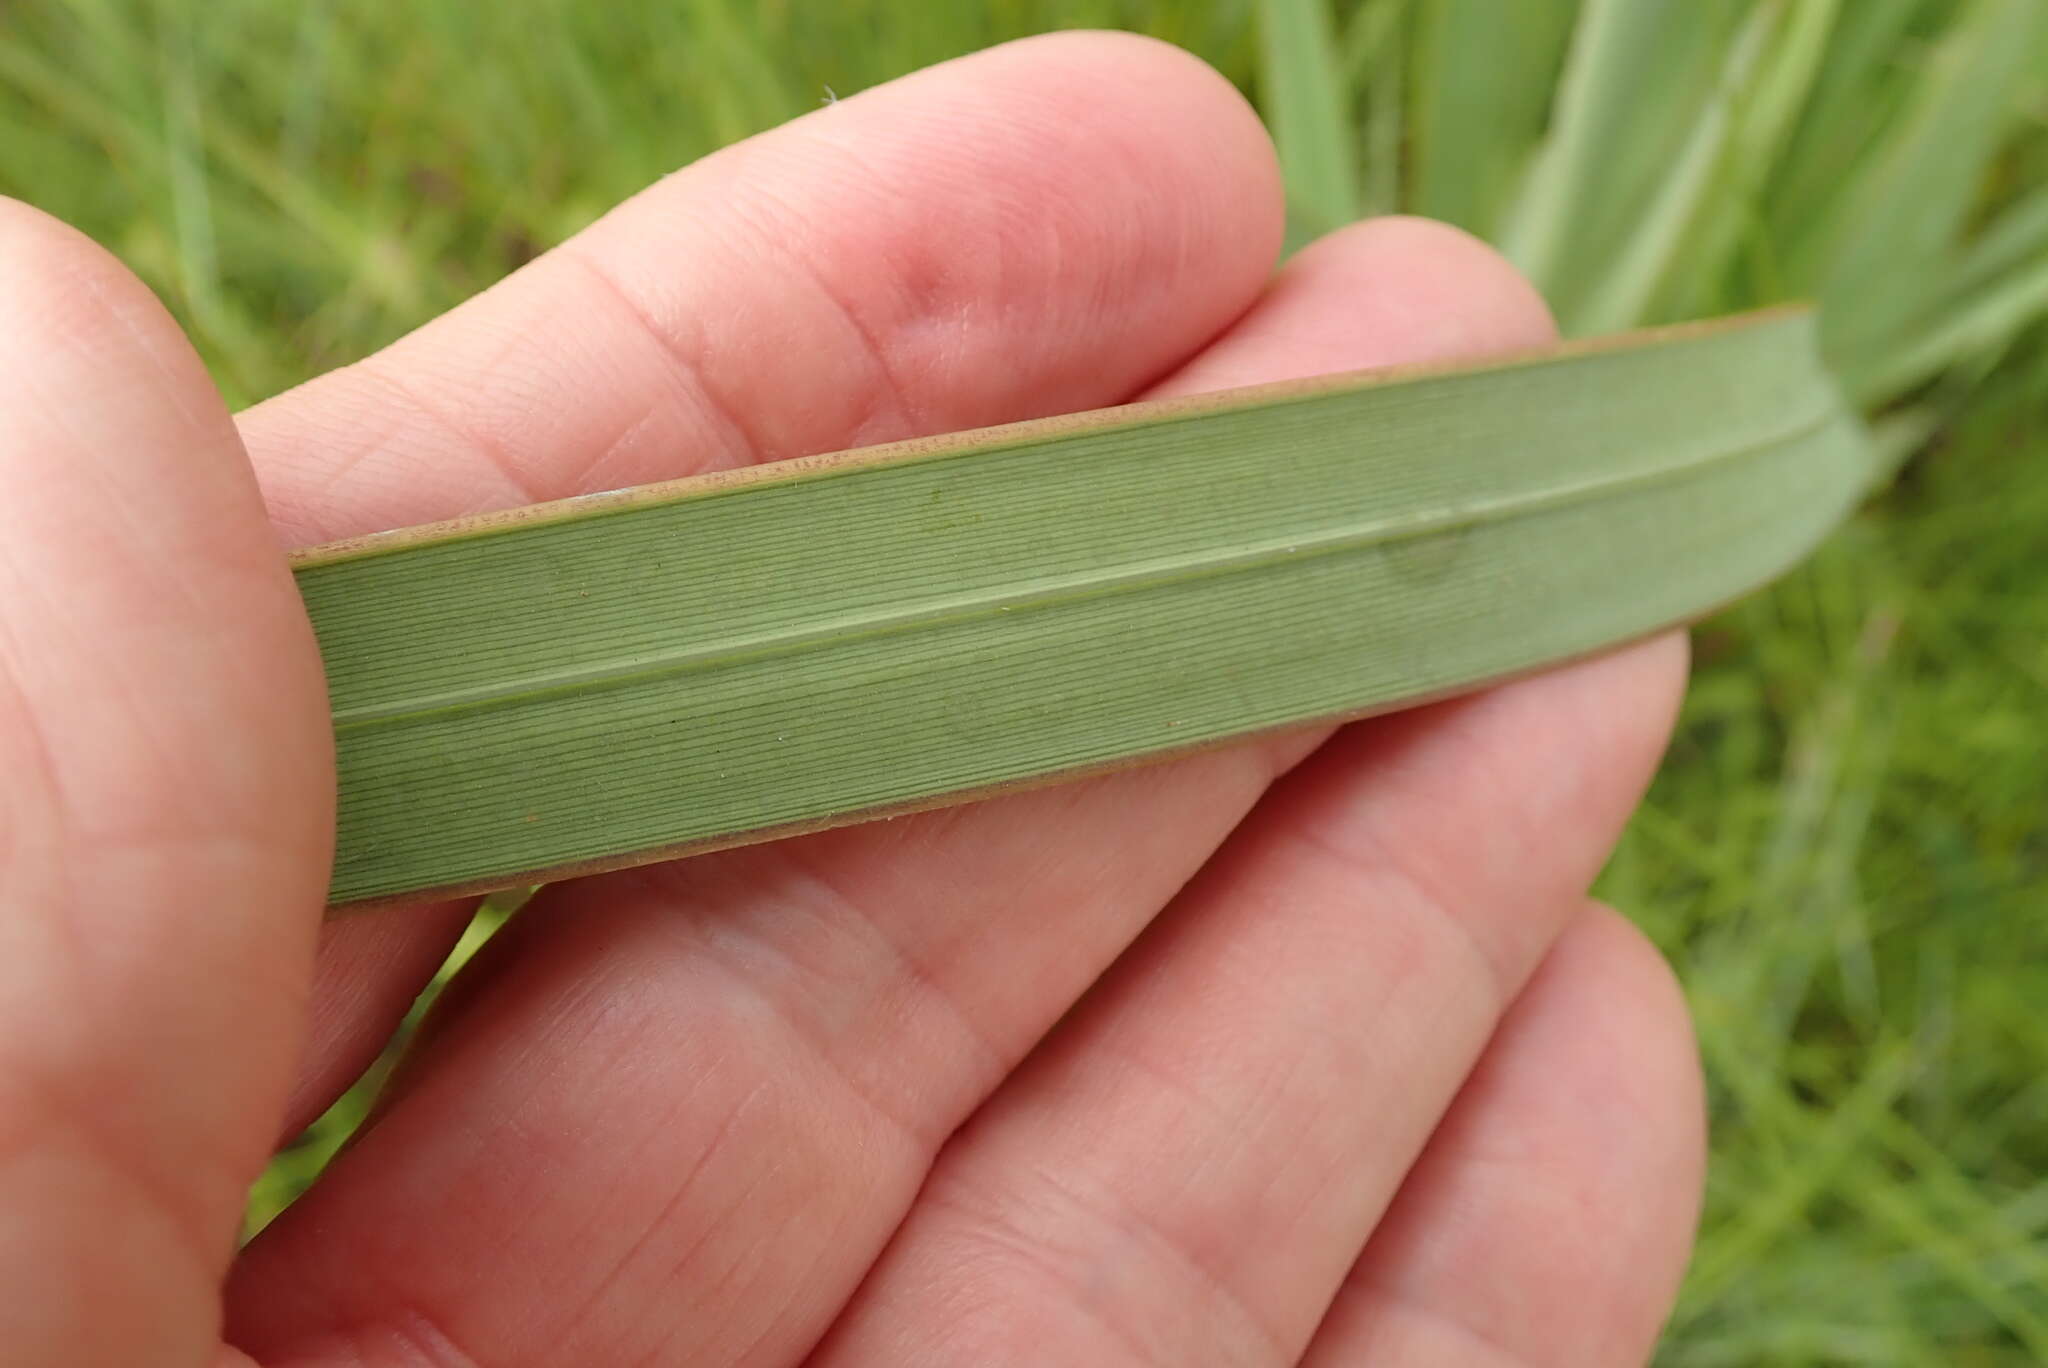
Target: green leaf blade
{"points": [[1307, 101], [1483, 79], [597, 683]]}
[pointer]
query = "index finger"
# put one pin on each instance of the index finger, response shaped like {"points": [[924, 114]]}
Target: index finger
{"points": [[1042, 227]]}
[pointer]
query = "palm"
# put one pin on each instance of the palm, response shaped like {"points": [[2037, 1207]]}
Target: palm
{"points": [[1354, 1071]]}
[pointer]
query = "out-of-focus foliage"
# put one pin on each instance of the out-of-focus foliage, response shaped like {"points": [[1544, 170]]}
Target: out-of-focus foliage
{"points": [[1847, 856]]}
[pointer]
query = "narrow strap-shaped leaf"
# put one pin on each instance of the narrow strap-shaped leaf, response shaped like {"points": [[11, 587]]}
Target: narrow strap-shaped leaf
{"points": [[1304, 97], [596, 682]]}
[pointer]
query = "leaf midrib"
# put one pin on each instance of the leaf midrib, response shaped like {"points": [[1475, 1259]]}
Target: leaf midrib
{"points": [[1156, 572]]}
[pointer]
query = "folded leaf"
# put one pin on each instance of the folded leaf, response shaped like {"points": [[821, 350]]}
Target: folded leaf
{"points": [[612, 679]]}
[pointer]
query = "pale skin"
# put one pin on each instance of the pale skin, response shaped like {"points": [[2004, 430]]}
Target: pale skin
{"points": [[1307, 1051]]}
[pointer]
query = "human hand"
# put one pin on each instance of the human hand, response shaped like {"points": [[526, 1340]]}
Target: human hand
{"points": [[1306, 1050]]}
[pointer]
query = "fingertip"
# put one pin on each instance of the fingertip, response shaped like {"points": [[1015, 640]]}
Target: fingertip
{"points": [[1664, 663], [1140, 114], [1137, 57], [1442, 291], [1647, 1016], [1382, 292], [1631, 695], [1553, 1215], [1129, 117], [31, 237], [61, 289], [1629, 1005], [1164, 87]]}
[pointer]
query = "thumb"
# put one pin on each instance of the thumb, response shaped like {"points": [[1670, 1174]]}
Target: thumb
{"points": [[166, 810]]}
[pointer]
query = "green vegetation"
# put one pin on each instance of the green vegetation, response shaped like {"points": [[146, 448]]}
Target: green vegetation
{"points": [[1847, 856], [1168, 564]]}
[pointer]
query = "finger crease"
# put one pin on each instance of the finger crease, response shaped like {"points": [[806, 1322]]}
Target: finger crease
{"points": [[997, 1057], [1135, 1228], [489, 448], [1431, 897], [677, 1201], [738, 444], [1399, 1299], [410, 1336], [892, 396], [207, 1250], [831, 905]]}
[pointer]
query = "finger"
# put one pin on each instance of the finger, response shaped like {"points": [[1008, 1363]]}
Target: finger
{"points": [[165, 812], [1186, 1169], [758, 1052], [1551, 1217], [1042, 227], [1045, 225]]}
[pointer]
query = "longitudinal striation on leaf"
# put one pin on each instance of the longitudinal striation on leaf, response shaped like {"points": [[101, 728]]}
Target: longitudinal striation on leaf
{"points": [[597, 682]]}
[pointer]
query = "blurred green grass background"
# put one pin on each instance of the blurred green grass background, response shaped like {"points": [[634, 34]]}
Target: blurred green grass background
{"points": [[1847, 853]]}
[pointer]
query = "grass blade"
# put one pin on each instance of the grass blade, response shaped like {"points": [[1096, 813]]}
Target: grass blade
{"points": [[1997, 289], [1625, 289], [1913, 192], [1635, 75], [605, 680], [1308, 107], [1698, 279], [1483, 74], [1853, 93], [1374, 60], [2014, 240], [1974, 326]]}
